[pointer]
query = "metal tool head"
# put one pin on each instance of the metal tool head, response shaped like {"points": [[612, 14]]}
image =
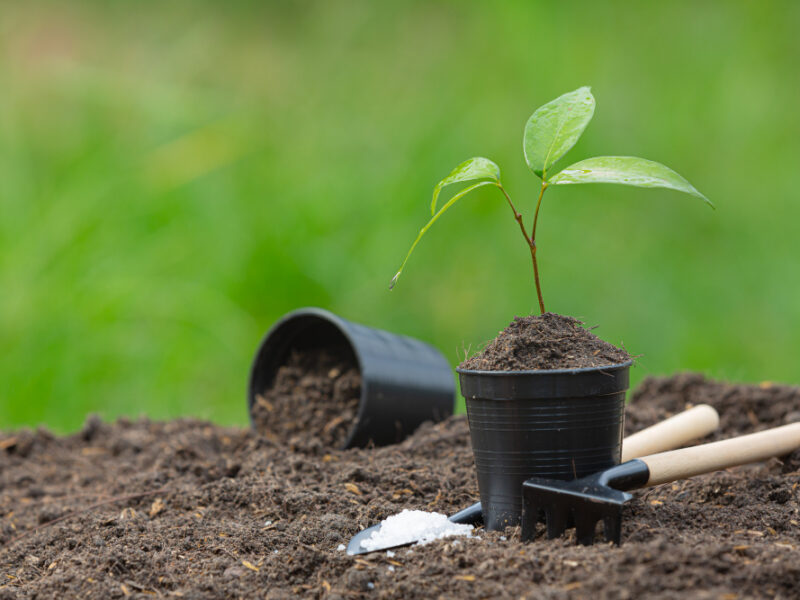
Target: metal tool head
{"points": [[581, 502], [355, 547], [472, 515]]}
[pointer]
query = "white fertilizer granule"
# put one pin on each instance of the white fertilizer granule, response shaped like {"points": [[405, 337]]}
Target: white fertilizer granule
{"points": [[414, 526]]}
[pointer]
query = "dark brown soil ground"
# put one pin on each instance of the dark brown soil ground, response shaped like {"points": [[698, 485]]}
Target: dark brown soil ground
{"points": [[546, 341], [186, 509], [313, 399]]}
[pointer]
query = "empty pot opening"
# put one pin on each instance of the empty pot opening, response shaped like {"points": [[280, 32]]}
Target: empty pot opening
{"points": [[310, 387]]}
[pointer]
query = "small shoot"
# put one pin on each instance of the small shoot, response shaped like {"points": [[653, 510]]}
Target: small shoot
{"points": [[470, 170], [550, 132]]}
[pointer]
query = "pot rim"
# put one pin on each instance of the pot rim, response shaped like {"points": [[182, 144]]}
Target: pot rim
{"points": [[529, 372], [278, 330], [432, 393]]}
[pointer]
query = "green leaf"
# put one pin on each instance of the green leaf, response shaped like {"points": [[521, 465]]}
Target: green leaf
{"points": [[433, 220], [555, 127], [625, 170], [469, 170]]}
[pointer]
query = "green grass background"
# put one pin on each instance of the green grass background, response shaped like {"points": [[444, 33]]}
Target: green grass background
{"points": [[174, 177]]}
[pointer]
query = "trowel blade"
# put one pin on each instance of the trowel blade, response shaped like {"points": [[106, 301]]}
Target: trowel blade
{"points": [[471, 515]]}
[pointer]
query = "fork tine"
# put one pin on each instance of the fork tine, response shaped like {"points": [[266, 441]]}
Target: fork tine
{"points": [[530, 517], [612, 527], [556, 517], [585, 525]]}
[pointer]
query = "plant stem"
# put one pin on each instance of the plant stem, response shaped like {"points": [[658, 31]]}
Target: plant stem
{"points": [[536, 278], [528, 240], [536, 214], [533, 247], [517, 216]]}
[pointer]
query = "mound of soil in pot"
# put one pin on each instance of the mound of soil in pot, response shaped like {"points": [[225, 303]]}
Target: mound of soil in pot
{"points": [[546, 341], [314, 398], [184, 508]]}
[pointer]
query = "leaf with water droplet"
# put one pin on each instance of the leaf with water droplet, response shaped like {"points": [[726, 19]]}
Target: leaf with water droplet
{"points": [[553, 129], [625, 170], [433, 220], [470, 170]]}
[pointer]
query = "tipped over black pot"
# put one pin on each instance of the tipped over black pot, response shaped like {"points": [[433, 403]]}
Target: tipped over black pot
{"points": [[404, 382], [558, 424]]}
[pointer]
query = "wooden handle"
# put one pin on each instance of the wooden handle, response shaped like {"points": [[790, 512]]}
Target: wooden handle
{"points": [[688, 462], [674, 432]]}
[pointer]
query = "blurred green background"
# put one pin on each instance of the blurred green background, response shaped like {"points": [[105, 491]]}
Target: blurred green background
{"points": [[174, 177]]}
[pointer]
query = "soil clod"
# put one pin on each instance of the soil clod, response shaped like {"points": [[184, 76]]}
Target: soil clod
{"points": [[313, 399], [546, 341]]}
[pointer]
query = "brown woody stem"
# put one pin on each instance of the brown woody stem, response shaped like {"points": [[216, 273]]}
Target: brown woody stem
{"points": [[517, 216], [530, 240], [533, 246], [536, 278]]}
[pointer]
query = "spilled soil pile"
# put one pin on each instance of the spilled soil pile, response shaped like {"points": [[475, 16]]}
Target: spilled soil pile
{"points": [[313, 398], [546, 341], [137, 509]]}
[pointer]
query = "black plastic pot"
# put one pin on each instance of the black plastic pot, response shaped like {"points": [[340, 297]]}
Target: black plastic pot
{"points": [[560, 424], [404, 382]]}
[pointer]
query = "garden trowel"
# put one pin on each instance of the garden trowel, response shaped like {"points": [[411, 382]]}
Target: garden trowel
{"points": [[674, 432]]}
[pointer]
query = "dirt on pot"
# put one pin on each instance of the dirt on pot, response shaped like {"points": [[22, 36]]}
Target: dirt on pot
{"points": [[313, 399], [187, 509], [546, 341]]}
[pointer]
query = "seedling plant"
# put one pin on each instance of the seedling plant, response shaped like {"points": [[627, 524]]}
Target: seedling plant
{"points": [[551, 131]]}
